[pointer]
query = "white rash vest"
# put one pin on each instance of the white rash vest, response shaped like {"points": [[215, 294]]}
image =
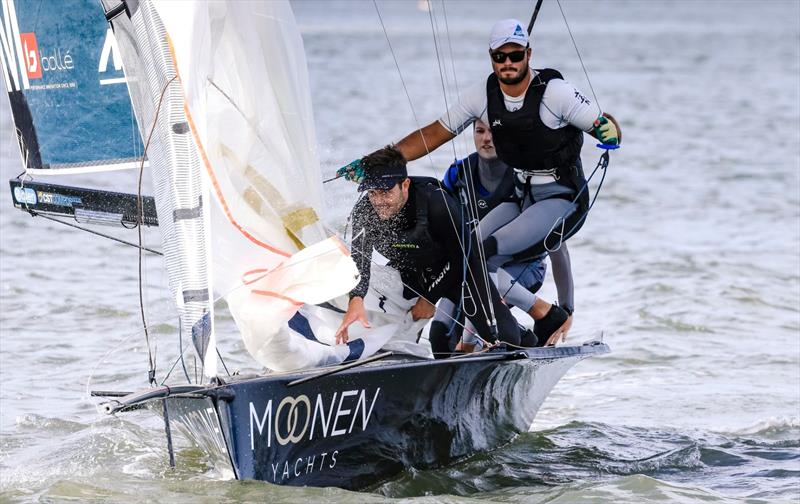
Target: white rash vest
{"points": [[562, 104]]}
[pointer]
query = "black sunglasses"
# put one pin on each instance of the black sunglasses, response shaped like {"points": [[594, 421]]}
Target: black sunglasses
{"points": [[514, 56]]}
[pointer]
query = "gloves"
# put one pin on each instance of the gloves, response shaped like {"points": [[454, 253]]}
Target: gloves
{"points": [[354, 172], [606, 131]]}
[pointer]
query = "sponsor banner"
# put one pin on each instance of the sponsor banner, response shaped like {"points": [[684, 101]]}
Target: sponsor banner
{"points": [[64, 76]]}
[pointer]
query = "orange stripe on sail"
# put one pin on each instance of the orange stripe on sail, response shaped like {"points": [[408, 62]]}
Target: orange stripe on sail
{"points": [[276, 295], [210, 170]]}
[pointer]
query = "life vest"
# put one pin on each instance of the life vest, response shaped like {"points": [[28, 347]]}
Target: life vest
{"points": [[421, 260], [485, 200], [524, 142]]}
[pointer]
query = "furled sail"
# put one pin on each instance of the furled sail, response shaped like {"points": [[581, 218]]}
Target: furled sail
{"points": [[66, 87], [238, 185]]}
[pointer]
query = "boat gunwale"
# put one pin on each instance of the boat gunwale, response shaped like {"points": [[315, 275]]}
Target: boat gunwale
{"points": [[202, 391], [593, 347]]}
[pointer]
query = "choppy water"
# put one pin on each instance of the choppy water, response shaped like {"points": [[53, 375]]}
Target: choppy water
{"points": [[690, 264]]}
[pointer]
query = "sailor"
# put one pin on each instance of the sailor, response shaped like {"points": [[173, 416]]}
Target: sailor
{"points": [[483, 181], [412, 226], [537, 120]]}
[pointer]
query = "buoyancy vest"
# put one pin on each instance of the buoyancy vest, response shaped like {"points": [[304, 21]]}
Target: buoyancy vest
{"points": [[485, 202], [419, 258], [524, 142]]}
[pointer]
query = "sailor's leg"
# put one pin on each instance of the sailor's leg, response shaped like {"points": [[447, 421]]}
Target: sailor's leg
{"points": [[498, 217], [518, 283], [443, 331], [530, 228]]}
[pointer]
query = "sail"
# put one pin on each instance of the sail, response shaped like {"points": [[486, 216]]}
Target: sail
{"points": [[238, 183], [66, 87]]}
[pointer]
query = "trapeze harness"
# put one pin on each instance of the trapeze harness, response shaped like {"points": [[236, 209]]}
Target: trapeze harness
{"points": [[524, 142]]}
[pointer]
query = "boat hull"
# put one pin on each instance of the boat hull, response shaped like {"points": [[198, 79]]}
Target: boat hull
{"points": [[360, 426]]}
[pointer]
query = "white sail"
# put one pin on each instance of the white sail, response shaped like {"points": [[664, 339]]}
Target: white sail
{"points": [[245, 114]]}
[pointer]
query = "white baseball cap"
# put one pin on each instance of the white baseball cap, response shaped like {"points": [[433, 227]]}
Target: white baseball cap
{"points": [[508, 31]]}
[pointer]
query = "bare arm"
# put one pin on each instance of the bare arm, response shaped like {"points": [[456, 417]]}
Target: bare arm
{"points": [[423, 141]]}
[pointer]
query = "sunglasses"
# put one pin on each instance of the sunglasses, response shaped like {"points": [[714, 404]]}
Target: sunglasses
{"points": [[514, 56]]}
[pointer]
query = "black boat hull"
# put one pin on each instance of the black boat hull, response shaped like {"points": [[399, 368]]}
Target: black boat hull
{"points": [[363, 425]]}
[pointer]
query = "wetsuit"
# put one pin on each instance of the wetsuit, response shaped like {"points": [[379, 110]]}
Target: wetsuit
{"points": [[423, 243]]}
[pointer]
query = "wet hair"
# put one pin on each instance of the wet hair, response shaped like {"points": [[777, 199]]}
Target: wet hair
{"points": [[388, 157]]}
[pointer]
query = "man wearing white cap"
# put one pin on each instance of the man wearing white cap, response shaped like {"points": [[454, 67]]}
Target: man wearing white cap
{"points": [[537, 121]]}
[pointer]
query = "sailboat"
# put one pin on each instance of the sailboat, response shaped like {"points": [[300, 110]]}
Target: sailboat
{"points": [[219, 92]]}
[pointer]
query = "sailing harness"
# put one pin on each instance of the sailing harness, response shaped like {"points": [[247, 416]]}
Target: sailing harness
{"points": [[561, 229]]}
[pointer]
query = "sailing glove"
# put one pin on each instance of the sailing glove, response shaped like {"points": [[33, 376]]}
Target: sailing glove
{"points": [[606, 131], [354, 172]]}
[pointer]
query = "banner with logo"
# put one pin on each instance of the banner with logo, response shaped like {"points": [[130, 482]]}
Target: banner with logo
{"points": [[66, 86]]}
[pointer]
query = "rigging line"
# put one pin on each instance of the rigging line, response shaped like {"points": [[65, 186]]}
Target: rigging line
{"points": [[442, 78], [472, 198], [416, 120], [436, 308], [103, 358], [575, 45], [602, 164], [36, 214], [180, 345], [140, 214], [442, 71], [472, 201]]}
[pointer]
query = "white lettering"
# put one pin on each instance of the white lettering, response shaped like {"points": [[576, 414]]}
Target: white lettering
{"points": [[68, 64], [286, 469], [110, 48], [12, 61], [274, 471], [362, 402], [340, 412], [296, 472], [440, 277], [319, 406], [260, 424], [310, 465], [333, 458], [321, 462], [30, 59]]}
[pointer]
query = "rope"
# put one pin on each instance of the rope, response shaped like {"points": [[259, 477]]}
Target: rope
{"points": [[575, 45], [416, 120], [151, 373], [420, 295], [602, 164], [113, 238], [471, 198]]}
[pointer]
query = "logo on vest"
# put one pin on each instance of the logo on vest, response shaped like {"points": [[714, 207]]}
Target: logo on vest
{"points": [[496, 122], [482, 203]]}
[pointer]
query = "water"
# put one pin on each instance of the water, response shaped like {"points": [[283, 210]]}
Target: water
{"points": [[690, 264]]}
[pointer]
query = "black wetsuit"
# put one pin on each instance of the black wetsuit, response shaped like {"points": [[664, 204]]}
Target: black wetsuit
{"points": [[423, 243]]}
